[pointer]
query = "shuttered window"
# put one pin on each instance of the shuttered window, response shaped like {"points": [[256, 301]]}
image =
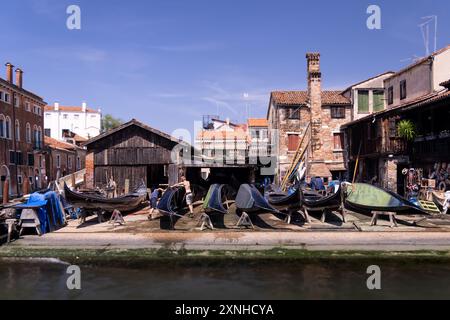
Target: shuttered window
{"points": [[378, 100], [363, 101], [402, 89], [390, 95], [293, 141], [337, 141]]}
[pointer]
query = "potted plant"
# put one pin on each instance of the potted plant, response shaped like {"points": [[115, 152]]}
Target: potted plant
{"points": [[407, 130]]}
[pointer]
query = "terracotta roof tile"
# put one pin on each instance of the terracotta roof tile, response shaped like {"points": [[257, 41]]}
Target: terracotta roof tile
{"points": [[258, 122], [70, 109], [301, 97], [223, 135], [53, 143]]}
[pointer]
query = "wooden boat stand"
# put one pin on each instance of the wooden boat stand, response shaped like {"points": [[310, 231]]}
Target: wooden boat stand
{"points": [[205, 222], [117, 217], [99, 214], [325, 210], [245, 221], [392, 218]]}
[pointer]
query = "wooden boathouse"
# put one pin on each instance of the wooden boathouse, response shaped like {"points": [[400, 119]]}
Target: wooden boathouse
{"points": [[131, 153]]}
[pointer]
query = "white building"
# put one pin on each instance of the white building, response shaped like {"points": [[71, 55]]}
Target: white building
{"points": [[83, 121]]}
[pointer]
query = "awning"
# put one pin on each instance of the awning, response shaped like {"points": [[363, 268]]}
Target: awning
{"points": [[319, 170]]}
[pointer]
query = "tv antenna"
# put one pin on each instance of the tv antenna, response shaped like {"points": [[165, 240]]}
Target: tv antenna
{"points": [[425, 29]]}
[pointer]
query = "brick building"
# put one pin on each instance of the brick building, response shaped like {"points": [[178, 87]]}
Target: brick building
{"points": [[21, 128], [315, 115], [62, 158]]}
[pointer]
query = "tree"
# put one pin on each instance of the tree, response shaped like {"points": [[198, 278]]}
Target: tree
{"points": [[109, 123]]}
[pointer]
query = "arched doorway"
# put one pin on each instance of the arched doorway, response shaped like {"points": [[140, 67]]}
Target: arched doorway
{"points": [[4, 175]]}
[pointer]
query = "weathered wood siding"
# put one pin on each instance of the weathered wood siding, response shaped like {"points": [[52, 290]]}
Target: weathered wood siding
{"points": [[132, 153]]}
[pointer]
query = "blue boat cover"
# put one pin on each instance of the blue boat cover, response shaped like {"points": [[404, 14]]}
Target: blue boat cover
{"points": [[48, 209]]}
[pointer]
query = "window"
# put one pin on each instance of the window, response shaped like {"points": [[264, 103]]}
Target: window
{"points": [[65, 116], [47, 132], [378, 100], [390, 95], [1, 95], [392, 128], [40, 161], [2, 126], [19, 158], [16, 101], [58, 161], [7, 98], [30, 159], [17, 130], [363, 101], [337, 112], [76, 116], [27, 106], [69, 162], [293, 142], [8, 128], [28, 133], [337, 139], [12, 157], [402, 89], [78, 163], [19, 180], [39, 111], [294, 113]]}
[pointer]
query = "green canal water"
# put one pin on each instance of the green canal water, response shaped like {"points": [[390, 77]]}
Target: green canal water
{"points": [[46, 279]]}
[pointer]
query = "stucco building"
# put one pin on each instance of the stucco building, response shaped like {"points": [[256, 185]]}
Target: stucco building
{"points": [[81, 120]]}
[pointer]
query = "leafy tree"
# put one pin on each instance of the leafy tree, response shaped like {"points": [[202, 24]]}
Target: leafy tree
{"points": [[109, 122]]}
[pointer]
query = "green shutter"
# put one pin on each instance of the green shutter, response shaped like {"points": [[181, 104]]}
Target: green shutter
{"points": [[378, 101], [363, 101]]}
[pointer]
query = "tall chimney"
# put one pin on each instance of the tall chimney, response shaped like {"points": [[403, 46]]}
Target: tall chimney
{"points": [[83, 106], [19, 77], [9, 72], [56, 106], [315, 102]]}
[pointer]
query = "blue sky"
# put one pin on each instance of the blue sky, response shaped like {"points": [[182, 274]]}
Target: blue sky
{"points": [[168, 62]]}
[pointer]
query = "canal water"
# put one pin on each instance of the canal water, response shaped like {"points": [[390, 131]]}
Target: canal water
{"points": [[46, 279]]}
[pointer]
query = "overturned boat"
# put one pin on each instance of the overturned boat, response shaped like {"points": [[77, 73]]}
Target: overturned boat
{"points": [[250, 200], [285, 200], [314, 201], [89, 201], [365, 198], [216, 199], [172, 201]]}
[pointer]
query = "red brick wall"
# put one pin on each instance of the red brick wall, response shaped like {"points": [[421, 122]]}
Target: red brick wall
{"points": [[23, 116], [90, 169]]}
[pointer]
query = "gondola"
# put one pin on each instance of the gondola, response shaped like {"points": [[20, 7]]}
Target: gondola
{"points": [[250, 200], [366, 198], [314, 201], [90, 201], [285, 200], [171, 201], [215, 199]]}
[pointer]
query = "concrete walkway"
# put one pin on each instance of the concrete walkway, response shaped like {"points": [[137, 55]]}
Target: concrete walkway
{"points": [[244, 240]]}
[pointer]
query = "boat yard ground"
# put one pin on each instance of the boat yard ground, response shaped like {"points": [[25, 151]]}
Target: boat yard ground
{"points": [[139, 236]]}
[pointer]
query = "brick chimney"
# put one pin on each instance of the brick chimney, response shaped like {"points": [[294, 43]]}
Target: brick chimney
{"points": [[315, 102], [19, 77], [9, 72]]}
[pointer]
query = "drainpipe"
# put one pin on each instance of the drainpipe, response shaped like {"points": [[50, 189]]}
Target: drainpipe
{"points": [[13, 124]]}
